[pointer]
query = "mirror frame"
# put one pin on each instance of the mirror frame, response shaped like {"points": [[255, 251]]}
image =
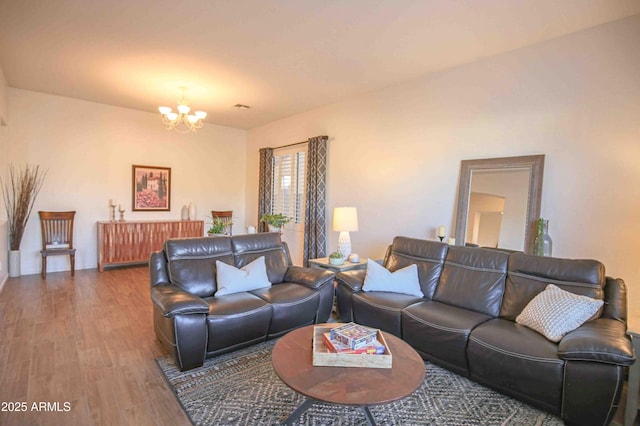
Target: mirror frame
{"points": [[534, 162]]}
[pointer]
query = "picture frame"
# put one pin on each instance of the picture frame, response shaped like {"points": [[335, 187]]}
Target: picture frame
{"points": [[151, 188]]}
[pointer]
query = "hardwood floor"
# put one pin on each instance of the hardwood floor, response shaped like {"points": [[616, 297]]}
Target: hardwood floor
{"points": [[87, 341]]}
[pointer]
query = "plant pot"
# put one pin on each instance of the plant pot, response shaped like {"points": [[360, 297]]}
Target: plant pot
{"points": [[273, 228], [14, 263], [336, 260], [211, 234]]}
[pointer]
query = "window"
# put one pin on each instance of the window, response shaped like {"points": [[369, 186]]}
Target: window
{"points": [[288, 192]]}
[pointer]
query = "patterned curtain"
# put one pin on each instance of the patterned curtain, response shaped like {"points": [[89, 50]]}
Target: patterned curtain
{"points": [[264, 185], [315, 225]]}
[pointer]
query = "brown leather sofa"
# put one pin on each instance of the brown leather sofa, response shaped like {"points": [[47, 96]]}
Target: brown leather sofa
{"points": [[194, 325], [466, 323]]}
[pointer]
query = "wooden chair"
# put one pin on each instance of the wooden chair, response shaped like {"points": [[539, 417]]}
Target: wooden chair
{"points": [[227, 216], [57, 237]]}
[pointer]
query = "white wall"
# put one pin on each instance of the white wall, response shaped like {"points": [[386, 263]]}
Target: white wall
{"points": [[4, 146], [88, 150], [395, 154]]}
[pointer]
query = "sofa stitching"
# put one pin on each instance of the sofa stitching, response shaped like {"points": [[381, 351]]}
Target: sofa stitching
{"points": [[240, 314], [421, 259], [599, 361], [297, 302], [552, 281], [613, 394], [388, 308], [264, 250], [515, 354], [439, 327], [474, 268]]}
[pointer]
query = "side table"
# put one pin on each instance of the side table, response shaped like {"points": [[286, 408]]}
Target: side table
{"points": [[633, 387], [323, 263]]}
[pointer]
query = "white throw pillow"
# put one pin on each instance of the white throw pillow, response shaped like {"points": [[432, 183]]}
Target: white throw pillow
{"points": [[233, 280], [555, 312], [379, 278]]}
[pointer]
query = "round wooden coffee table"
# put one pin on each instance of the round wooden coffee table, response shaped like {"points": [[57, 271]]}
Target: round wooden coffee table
{"points": [[363, 387]]}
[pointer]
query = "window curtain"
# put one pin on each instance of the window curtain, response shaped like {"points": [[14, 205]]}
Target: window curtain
{"points": [[265, 185], [315, 225]]}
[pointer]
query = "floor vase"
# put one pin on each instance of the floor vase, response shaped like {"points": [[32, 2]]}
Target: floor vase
{"points": [[14, 263]]}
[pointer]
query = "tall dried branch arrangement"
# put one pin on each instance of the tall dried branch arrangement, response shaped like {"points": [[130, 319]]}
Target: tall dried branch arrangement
{"points": [[19, 193]]}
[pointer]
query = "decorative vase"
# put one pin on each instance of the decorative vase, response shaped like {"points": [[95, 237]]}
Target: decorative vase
{"points": [[14, 263], [542, 245], [192, 211], [185, 213]]}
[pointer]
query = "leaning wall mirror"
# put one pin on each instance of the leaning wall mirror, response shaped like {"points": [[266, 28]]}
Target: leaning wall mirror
{"points": [[499, 202]]}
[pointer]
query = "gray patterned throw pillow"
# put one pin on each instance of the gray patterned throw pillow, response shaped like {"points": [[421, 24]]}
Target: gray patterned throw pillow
{"points": [[555, 312]]}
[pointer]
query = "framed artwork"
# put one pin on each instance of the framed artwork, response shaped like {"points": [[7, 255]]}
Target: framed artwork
{"points": [[151, 188]]}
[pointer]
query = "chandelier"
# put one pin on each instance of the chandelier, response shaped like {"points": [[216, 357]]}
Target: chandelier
{"points": [[182, 121]]}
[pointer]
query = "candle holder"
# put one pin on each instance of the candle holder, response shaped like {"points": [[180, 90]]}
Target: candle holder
{"points": [[441, 238], [112, 213], [121, 215]]}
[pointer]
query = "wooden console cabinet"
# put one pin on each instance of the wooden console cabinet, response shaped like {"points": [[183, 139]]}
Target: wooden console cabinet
{"points": [[130, 242]]}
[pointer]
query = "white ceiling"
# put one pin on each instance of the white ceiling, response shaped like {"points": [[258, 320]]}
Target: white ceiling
{"points": [[281, 57]]}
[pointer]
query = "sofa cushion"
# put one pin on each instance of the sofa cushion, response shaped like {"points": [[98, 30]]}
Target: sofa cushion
{"points": [[381, 310], [427, 255], [441, 332], [404, 280], [247, 248], [191, 263], [473, 278], [233, 280], [518, 361], [529, 275], [236, 320], [555, 312], [293, 306]]}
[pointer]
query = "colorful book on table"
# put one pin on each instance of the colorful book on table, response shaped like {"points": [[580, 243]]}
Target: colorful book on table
{"points": [[375, 348]]}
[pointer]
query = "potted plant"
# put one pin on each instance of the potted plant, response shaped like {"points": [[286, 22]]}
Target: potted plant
{"points": [[219, 226], [275, 222], [19, 193], [336, 258]]}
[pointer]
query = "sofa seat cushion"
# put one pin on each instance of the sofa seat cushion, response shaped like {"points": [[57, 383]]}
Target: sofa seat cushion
{"points": [[440, 332], [236, 320], [381, 309], [293, 305], [517, 361]]}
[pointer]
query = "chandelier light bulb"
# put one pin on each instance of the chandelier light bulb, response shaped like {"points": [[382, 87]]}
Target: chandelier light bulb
{"points": [[182, 121]]}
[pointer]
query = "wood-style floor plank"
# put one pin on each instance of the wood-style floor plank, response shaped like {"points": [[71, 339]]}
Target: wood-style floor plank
{"points": [[87, 340]]}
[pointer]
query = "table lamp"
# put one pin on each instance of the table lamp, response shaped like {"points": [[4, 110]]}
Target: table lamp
{"points": [[345, 220]]}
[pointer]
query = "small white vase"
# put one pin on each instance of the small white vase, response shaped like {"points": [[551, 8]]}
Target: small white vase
{"points": [[185, 213], [14, 263], [192, 211]]}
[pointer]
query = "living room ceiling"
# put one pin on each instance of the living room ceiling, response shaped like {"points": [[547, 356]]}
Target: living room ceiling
{"points": [[281, 57]]}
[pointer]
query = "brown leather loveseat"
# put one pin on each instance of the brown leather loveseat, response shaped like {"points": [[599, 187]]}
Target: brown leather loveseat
{"points": [[466, 322], [193, 324]]}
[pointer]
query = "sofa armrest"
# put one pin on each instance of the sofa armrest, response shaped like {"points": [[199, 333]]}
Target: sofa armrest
{"points": [[604, 340], [172, 301], [158, 269], [352, 280], [308, 277]]}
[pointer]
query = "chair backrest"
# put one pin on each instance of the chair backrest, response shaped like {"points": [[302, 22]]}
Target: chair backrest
{"points": [[227, 216], [57, 228]]}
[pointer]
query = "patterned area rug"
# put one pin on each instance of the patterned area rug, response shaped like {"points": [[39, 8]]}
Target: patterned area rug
{"points": [[241, 388]]}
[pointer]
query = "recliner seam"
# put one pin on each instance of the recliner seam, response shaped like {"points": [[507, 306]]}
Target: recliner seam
{"points": [[515, 354], [240, 314], [439, 327]]}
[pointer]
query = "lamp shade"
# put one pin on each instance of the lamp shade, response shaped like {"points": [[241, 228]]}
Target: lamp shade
{"points": [[345, 219]]}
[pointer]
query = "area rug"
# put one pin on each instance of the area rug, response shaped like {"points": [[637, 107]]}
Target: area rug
{"points": [[241, 388]]}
